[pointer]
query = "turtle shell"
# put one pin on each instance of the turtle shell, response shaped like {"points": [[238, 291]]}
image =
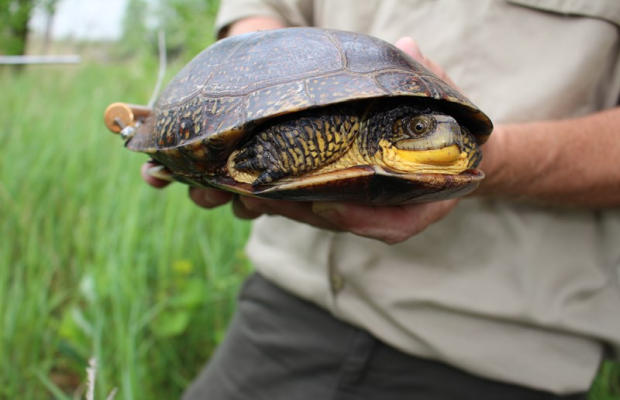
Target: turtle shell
{"points": [[238, 83]]}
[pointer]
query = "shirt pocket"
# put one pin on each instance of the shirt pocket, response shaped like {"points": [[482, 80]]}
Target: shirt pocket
{"points": [[606, 10]]}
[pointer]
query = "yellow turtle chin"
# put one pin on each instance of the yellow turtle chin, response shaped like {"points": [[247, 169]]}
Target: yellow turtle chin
{"points": [[447, 160]]}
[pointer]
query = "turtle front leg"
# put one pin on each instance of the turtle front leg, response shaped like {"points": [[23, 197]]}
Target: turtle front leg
{"points": [[295, 146]]}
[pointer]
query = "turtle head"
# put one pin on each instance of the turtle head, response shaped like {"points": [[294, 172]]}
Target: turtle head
{"points": [[413, 140]]}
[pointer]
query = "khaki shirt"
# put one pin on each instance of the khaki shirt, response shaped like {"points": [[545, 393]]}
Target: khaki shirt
{"points": [[510, 291]]}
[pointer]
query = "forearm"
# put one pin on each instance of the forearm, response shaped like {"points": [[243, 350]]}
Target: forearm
{"points": [[573, 162]]}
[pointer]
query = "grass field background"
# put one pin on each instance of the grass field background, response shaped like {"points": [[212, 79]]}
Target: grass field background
{"points": [[93, 262]]}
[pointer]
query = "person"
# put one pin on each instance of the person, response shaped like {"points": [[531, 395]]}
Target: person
{"points": [[510, 293]]}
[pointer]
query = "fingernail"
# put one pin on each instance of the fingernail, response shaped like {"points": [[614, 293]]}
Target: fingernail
{"points": [[160, 172]]}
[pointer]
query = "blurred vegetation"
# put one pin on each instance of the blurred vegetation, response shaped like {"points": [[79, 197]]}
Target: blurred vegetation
{"points": [[186, 34], [96, 263], [14, 17], [135, 30], [188, 25]]}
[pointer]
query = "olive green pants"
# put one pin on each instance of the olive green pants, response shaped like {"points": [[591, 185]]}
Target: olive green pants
{"points": [[279, 347]]}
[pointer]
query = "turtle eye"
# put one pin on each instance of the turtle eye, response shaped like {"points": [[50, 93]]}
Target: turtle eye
{"points": [[420, 125]]}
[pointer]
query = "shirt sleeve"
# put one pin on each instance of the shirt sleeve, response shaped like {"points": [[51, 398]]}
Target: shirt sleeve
{"points": [[291, 12]]}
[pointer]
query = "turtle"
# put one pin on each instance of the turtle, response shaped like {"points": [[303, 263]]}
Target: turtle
{"points": [[311, 114]]}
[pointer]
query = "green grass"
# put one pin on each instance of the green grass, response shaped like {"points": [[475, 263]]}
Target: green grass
{"points": [[93, 262]]}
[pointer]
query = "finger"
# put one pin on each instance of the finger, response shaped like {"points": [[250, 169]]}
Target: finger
{"points": [[299, 211], [241, 211], [389, 224], [209, 197], [410, 46], [148, 176]]}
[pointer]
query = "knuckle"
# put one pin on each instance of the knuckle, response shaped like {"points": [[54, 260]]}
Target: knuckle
{"points": [[205, 198], [255, 205], [241, 211], [247, 203]]}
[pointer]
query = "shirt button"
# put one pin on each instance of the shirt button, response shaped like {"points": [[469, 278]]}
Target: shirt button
{"points": [[337, 282]]}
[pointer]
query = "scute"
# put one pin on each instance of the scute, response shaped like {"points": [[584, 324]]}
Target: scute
{"points": [[270, 58], [366, 54]]}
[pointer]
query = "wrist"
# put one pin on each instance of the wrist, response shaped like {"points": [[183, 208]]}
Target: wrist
{"points": [[493, 163]]}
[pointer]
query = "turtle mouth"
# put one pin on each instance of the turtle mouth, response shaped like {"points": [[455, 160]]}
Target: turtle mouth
{"points": [[449, 159], [443, 156]]}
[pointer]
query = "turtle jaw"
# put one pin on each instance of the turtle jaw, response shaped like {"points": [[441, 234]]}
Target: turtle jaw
{"points": [[447, 160]]}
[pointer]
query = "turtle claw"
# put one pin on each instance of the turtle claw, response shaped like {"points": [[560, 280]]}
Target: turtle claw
{"points": [[267, 177], [247, 165]]}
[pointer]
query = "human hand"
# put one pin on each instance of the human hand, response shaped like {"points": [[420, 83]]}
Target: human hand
{"points": [[390, 224], [202, 196]]}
